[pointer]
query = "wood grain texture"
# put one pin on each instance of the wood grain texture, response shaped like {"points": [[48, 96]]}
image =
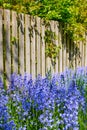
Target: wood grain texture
{"points": [[14, 42], [27, 42], [60, 53], [1, 44], [43, 56], [21, 43], [38, 38], [7, 43], [56, 28], [33, 59]]}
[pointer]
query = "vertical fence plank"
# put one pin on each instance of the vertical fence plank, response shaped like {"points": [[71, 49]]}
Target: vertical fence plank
{"points": [[67, 55], [81, 51], [21, 43], [75, 64], [33, 59], [85, 50], [14, 41], [48, 63], [74, 55], [1, 44], [56, 25], [64, 51], [70, 54], [52, 30], [38, 37], [43, 48], [7, 43], [82, 54], [60, 53], [48, 59], [27, 42], [62, 44], [72, 64], [77, 55]]}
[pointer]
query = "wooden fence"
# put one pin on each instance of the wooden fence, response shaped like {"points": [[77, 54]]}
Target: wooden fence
{"points": [[22, 46]]}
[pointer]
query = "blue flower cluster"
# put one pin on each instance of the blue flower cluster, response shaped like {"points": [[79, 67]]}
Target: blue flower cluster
{"points": [[56, 102], [5, 122]]}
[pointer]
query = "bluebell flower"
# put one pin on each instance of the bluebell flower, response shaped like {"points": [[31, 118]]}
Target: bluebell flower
{"points": [[51, 102]]}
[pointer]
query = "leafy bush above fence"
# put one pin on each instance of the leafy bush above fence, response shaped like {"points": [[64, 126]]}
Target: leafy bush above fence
{"points": [[70, 12], [55, 102]]}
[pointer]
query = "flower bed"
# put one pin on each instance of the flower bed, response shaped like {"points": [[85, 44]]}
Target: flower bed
{"points": [[56, 102]]}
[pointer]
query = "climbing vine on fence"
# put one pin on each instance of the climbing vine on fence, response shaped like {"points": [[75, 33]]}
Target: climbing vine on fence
{"points": [[52, 49]]}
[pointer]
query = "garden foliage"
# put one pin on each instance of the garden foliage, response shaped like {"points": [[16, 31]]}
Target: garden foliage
{"points": [[72, 13], [55, 102]]}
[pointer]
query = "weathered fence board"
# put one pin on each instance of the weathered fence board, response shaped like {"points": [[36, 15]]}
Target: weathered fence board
{"points": [[48, 60], [1, 43], [60, 53], [7, 43], [38, 38], [43, 59], [72, 65], [33, 59], [86, 50], [67, 54], [23, 45], [81, 51], [27, 42], [14, 42], [83, 55], [64, 53], [56, 25], [52, 29]]}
